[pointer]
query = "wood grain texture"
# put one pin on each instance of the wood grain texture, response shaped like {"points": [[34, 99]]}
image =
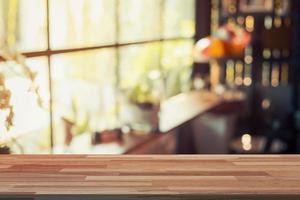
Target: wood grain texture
{"points": [[201, 175]]}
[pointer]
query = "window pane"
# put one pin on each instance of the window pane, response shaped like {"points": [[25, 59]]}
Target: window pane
{"points": [[139, 20], [84, 90], [136, 63], [177, 54], [179, 19], [177, 63], [140, 82], [31, 122], [81, 23], [23, 24]]}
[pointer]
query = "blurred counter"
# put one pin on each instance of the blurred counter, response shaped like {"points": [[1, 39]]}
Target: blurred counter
{"points": [[184, 107], [175, 113]]}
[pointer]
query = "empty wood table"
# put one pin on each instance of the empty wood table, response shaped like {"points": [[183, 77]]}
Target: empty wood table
{"points": [[149, 177]]}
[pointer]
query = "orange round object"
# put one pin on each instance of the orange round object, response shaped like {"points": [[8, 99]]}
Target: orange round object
{"points": [[217, 48]]}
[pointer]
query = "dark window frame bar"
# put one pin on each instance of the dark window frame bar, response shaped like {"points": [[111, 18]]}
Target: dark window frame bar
{"points": [[50, 52]]}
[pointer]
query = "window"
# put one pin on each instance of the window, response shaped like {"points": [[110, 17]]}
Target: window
{"points": [[90, 54]]}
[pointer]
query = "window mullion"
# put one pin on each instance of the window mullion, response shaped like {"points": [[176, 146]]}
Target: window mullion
{"points": [[49, 78], [117, 64]]}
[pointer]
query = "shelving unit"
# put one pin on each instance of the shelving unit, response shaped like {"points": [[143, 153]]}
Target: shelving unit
{"points": [[267, 72]]}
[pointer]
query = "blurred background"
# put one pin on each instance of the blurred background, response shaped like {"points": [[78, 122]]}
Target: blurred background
{"points": [[149, 76]]}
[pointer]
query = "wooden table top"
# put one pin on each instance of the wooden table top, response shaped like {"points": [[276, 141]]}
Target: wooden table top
{"points": [[149, 175]]}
